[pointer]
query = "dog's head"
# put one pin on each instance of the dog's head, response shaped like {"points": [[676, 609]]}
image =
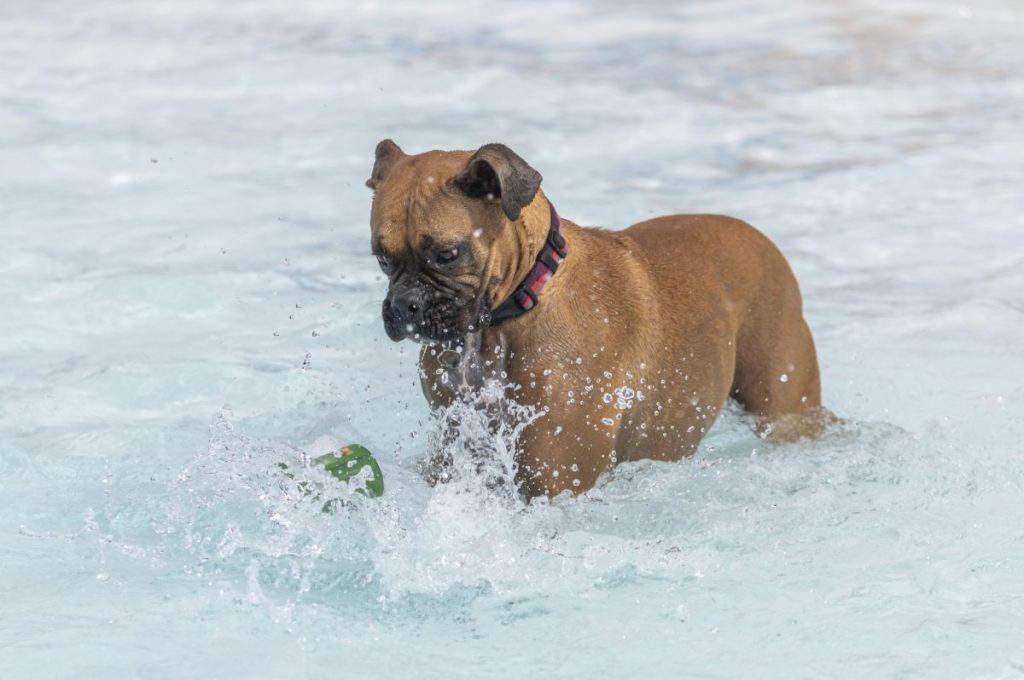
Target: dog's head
{"points": [[439, 222]]}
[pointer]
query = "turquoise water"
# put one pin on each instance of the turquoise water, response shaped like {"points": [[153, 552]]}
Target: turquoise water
{"points": [[188, 299]]}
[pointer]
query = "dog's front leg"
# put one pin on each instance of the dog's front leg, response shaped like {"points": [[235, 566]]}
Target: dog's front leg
{"points": [[437, 467], [470, 428], [466, 390]]}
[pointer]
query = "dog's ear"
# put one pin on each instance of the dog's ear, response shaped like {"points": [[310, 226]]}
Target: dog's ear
{"points": [[386, 156], [497, 172]]}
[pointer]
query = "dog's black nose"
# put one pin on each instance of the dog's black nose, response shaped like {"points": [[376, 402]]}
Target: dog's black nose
{"points": [[407, 306]]}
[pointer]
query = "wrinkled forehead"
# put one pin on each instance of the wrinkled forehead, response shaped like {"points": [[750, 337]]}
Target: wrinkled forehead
{"points": [[415, 206]]}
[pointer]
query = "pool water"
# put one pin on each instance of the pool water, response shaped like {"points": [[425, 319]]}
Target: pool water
{"points": [[188, 300]]}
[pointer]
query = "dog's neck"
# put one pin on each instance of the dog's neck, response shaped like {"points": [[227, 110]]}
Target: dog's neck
{"points": [[541, 321], [482, 357], [530, 233]]}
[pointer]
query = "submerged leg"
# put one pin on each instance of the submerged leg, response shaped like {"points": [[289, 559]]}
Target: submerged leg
{"points": [[777, 380]]}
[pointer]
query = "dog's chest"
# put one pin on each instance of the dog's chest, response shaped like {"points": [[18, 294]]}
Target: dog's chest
{"points": [[473, 371]]}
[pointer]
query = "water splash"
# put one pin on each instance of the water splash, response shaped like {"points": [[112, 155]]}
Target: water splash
{"points": [[235, 510]]}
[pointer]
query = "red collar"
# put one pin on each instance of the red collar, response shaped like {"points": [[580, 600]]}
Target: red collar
{"points": [[524, 297]]}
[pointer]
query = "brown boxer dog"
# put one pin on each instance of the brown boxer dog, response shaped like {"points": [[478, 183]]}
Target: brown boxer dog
{"points": [[628, 341]]}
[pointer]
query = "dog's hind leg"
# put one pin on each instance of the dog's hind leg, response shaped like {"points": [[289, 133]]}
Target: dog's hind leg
{"points": [[777, 377]]}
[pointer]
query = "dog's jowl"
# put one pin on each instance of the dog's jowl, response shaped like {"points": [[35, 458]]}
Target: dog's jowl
{"points": [[630, 341]]}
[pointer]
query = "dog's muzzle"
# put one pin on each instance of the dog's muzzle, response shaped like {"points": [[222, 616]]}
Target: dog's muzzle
{"points": [[423, 313]]}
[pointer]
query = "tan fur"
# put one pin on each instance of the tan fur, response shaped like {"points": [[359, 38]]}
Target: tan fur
{"points": [[681, 311]]}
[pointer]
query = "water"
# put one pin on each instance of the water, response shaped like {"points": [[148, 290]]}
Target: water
{"points": [[188, 299]]}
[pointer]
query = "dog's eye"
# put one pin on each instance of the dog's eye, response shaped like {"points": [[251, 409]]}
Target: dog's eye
{"points": [[384, 261], [448, 256]]}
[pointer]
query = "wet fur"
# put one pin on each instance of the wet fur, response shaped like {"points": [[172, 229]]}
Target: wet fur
{"points": [[639, 338]]}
